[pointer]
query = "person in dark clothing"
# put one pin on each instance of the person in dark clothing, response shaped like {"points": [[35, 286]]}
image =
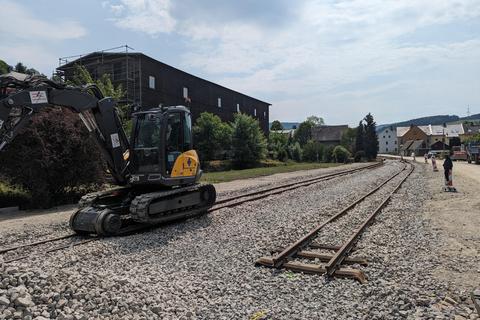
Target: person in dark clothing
{"points": [[447, 166]]}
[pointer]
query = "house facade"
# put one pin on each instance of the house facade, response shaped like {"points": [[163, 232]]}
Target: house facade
{"points": [[149, 83], [421, 139], [387, 140]]}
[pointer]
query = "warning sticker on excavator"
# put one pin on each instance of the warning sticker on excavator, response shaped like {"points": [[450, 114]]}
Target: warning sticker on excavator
{"points": [[38, 97], [115, 140]]}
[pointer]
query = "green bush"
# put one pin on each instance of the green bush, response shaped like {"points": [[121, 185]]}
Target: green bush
{"points": [[295, 152], [211, 136], [359, 155], [13, 196], [341, 154], [249, 146], [277, 146], [313, 151], [328, 154]]}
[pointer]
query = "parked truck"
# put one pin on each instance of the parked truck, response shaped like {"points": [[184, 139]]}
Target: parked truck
{"points": [[459, 153], [473, 150]]}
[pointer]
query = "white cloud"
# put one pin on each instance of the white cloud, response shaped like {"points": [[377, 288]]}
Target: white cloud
{"points": [[148, 16], [18, 23], [326, 52]]}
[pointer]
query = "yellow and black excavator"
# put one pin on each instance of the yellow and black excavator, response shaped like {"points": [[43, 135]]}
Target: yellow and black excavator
{"points": [[157, 170]]}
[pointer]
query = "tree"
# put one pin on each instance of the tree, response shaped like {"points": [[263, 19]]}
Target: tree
{"points": [[211, 136], [303, 133], [276, 125], [313, 151], [248, 143], [277, 146], [295, 151], [360, 132], [81, 77], [316, 121], [19, 67], [348, 139], [370, 137], [341, 154], [328, 154], [4, 67], [52, 157]]}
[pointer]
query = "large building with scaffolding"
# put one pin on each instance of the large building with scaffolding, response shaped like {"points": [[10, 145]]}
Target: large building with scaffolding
{"points": [[149, 83]]}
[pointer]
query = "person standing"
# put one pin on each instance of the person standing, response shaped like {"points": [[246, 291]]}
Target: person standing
{"points": [[447, 167]]}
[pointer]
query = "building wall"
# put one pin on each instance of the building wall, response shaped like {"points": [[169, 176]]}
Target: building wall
{"points": [[169, 86], [387, 141], [202, 95]]}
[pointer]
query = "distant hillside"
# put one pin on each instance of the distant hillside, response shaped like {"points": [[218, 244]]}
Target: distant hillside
{"points": [[287, 125], [474, 117]]}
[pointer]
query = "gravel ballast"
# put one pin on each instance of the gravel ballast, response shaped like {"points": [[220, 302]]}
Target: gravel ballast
{"points": [[203, 268]]}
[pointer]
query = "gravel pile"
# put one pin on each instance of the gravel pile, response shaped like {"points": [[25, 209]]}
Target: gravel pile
{"points": [[203, 268]]}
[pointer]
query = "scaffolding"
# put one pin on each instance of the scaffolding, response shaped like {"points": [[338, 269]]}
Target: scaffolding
{"points": [[121, 64]]}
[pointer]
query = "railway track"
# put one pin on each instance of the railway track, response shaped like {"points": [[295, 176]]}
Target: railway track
{"points": [[306, 247], [77, 240]]}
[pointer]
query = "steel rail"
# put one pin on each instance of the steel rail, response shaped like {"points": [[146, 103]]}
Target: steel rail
{"points": [[281, 258], [65, 246], [284, 188], [341, 254], [5, 250], [256, 196]]}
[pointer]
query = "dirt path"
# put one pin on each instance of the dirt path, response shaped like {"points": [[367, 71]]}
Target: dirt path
{"points": [[457, 217]]}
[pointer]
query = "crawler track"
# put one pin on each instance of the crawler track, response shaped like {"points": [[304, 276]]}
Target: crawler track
{"points": [[224, 203], [284, 258]]}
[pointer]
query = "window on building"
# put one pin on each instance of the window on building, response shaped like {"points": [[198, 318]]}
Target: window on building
{"points": [[388, 137], [383, 137], [185, 92], [255, 112], [238, 107], [386, 142], [395, 149], [151, 82], [265, 114], [395, 142], [386, 149], [219, 102]]}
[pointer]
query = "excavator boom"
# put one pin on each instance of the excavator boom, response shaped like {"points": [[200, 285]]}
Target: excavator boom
{"points": [[21, 97]]}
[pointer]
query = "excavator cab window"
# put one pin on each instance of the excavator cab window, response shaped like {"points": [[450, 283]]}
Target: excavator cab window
{"points": [[148, 142], [178, 137]]}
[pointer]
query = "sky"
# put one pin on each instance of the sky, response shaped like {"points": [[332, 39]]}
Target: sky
{"points": [[335, 59]]}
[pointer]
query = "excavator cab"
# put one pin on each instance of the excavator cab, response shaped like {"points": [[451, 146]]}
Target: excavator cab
{"points": [[161, 148]]}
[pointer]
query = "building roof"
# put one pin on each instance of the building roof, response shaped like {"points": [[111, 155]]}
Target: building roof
{"points": [[70, 64], [471, 129], [406, 145], [415, 145], [451, 130], [328, 133], [391, 128]]}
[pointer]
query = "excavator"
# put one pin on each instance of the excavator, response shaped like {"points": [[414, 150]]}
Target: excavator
{"points": [[156, 171]]}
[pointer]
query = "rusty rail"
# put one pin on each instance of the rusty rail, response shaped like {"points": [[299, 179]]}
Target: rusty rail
{"points": [[341, 254], [283, 258]]}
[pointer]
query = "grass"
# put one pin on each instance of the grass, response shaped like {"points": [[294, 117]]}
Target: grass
{"points": [[230, 175]]}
